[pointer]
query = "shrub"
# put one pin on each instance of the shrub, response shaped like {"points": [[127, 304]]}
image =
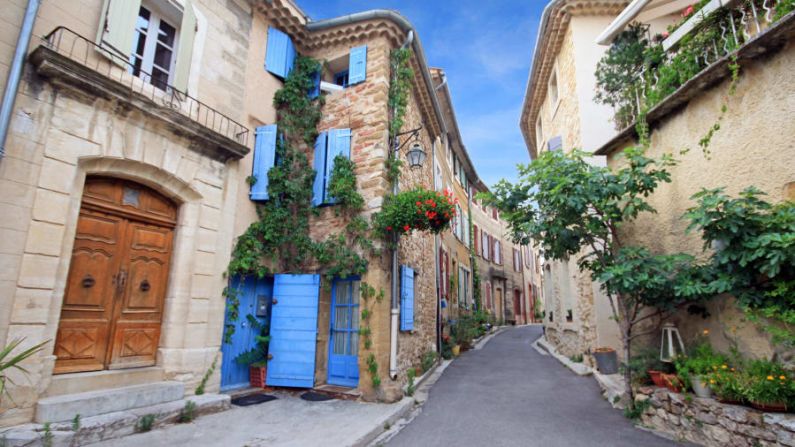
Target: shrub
{"points": [[728, 385], [428, 359], [768, 383], [145, 423], [702, 362], [418, 209]]}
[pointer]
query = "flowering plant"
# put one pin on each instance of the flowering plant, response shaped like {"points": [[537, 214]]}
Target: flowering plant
{"points": [[769, 383], [727, 384], [418, 209]]}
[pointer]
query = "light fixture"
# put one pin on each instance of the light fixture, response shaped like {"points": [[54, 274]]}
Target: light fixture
{"points": [[416, 155], [671, 343]]}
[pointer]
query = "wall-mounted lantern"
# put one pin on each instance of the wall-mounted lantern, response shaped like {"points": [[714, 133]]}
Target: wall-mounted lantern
{"points": [[416, 156]]}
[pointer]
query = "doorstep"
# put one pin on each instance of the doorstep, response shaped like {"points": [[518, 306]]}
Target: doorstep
{"points": [[110, 426], [338, 392]]}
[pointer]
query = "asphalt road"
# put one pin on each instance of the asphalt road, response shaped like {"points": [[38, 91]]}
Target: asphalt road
{"points": [[507, 394]]}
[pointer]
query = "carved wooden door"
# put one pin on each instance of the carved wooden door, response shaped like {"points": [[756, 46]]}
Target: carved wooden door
{"points": [[113, 303]]}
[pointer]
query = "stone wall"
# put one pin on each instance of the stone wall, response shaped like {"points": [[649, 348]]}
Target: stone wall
{"points": [[711, 423], [752, 147]]}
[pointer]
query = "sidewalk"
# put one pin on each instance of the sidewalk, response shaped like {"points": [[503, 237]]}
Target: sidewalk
{"points": [[287, 421]]}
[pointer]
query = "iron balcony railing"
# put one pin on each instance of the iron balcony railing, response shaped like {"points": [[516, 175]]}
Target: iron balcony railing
{"points": [[723, 28], [69, 44]]}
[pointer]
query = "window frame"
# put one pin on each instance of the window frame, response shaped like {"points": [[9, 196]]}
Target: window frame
{"points": [[151, 42]]}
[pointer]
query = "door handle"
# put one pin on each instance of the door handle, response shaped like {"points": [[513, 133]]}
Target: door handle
{"points": [[275, 301]]}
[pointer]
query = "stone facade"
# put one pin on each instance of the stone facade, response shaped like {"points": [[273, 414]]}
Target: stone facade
{"points": [[738, 159], [710, 423]]}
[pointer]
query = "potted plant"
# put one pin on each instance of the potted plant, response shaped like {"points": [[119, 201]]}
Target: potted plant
{"points": [[727, 385], [257, 357], [769, 386], [647, 367], [417, 209], [672, 382], [695, 368], [606, 360]]}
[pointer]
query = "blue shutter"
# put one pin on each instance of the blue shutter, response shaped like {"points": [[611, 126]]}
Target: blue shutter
{"points": [[357, 65], [555, 143], [339, 143], [319, 187], [406, 298], [315, 92], [264, 158], [280, 53], [293, 331]]}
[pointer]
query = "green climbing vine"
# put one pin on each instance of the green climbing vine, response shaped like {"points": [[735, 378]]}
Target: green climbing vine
{"points": [[279, 240], [368, 293], [475, 274], [398, 100]]}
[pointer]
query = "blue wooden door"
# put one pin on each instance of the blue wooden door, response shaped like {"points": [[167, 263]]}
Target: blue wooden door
{"points": [[253, 293], [293, 331], [343, 358]]}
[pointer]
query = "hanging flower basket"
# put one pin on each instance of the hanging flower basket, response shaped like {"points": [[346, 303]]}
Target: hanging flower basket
{"points": [[418, 209]]}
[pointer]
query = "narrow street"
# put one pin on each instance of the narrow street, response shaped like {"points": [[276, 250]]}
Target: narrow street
{"points": [[507, 394]]}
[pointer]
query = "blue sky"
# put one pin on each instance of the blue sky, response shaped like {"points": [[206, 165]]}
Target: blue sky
{"points": [[485, 47]]}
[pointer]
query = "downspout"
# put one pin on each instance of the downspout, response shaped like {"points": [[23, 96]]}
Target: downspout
{"points": [[15, 72], [395, 312], [438, 270]]}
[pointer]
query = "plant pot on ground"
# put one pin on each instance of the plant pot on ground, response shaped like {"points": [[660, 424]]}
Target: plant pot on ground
{"points": [[700, 387], [606, 360], [768, 386], [672, 382], [656, 378], [257, 373]]}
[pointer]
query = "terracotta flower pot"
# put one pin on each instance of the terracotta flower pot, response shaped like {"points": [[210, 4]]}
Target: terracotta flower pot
{"points": [[672, 382], [775, 407], [656, 378], [257, 375]]}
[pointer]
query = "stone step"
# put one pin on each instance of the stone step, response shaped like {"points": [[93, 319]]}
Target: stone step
{"points": [[93, 403], [112, 425], [101, 380]]}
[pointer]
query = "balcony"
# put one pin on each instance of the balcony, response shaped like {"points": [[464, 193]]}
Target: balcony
{"points": [[699, 51], [69, 58]]}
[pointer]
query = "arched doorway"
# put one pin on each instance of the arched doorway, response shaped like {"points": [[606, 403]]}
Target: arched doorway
{"points": [[113, 302]]}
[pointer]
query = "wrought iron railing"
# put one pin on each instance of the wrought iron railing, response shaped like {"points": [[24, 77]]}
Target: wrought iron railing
{"points": [[71, 45], [727, 28]]}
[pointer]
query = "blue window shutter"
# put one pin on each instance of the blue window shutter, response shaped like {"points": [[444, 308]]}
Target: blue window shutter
{"points": [[555, 143], [319, 187], [280, 53], [315, 92], [357, 65], [406, 298], [264, 159], [339, 143]]}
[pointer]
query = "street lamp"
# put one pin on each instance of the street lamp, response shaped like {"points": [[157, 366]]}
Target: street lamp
{"points": [[416, 156]]}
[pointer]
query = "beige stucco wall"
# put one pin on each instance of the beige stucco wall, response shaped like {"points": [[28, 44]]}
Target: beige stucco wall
{"points": [[753, 147], [61, 134]]}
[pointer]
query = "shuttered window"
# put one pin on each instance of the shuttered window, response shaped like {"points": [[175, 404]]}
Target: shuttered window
{"points": [[264, 160], [280, 53], [329, 145], [476, 239], [406, 298], [159, 49], [497, 252]]}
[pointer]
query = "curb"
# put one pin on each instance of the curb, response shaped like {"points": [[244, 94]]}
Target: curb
{"points": [[577, 368]]}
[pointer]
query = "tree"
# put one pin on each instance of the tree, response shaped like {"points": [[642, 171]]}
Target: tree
{"points": [[577, 209]]}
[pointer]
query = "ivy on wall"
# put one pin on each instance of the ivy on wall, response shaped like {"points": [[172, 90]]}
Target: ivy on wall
{"points": [[397, 101], [368, 293]]}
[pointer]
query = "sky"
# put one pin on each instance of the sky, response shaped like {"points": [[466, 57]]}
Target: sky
{"points": [[485, 47]]}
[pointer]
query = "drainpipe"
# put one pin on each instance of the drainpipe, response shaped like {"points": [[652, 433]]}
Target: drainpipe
{"points": [[15, 73], [437, 269], [395, 312]]}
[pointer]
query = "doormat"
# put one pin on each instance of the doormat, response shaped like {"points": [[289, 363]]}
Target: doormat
{"points": [[252, 399], [311, 396]]}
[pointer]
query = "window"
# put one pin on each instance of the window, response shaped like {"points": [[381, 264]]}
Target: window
{"points": [[553, 89], [494, 214], [456, 169], [465, 226], [517, 260], [463, 287], [329, 144], [406, 298], [341, 78], [459, 223], [154, 44], [475, 239], [154, 36], [484, 243], [264, 160], [539, 133], [497, 252]]}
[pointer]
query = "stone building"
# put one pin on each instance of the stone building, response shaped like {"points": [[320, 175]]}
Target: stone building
{"points": [[124, 183], [559, 114], [759, 109]]}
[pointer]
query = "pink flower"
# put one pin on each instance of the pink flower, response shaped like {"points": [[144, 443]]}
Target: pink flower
{"points": [[665, 34], [688, 11]]}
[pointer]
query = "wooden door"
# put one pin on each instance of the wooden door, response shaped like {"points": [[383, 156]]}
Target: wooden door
{"points": [[113, 302]]}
